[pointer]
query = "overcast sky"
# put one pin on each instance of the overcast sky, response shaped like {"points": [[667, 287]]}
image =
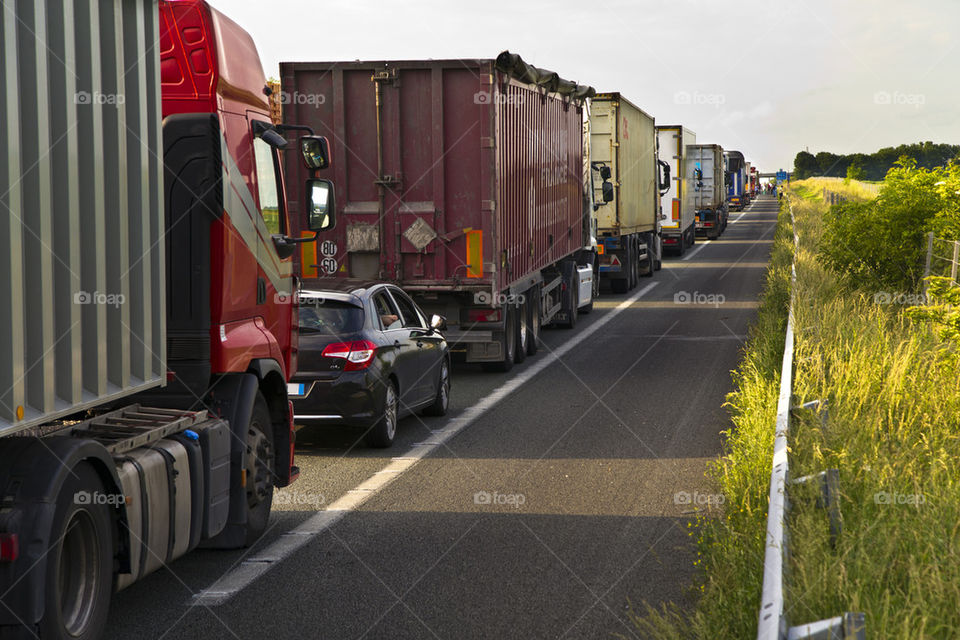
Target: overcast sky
{"points": [[768, 78]]}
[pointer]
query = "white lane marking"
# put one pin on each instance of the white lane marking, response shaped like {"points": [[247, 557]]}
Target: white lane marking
{"points": [[696, 250], [250, 570]]}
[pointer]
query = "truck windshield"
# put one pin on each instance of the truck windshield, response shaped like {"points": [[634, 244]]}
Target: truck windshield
{"points": [[329, 317]]}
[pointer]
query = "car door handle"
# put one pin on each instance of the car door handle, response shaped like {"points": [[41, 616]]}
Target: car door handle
{"points": [[396, 343]]}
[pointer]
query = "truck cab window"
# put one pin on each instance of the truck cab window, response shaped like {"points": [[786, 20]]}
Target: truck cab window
{"points": [[267, 187]]}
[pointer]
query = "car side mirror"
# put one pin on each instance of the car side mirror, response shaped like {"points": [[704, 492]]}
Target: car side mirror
{"points": [[315, 151], [438, 323], [321, 206]]}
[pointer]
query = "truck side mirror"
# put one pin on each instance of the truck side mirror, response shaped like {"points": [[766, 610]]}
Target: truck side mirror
{"points": [[315, 151], [321, 206], [664, 176], [605, 173], [607, 190]]}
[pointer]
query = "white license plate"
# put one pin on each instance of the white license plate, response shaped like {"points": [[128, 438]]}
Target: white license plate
{"points": [[294, 389]]}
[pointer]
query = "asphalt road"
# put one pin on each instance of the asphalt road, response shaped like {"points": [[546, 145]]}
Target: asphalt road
{"points": [[541, 512]]}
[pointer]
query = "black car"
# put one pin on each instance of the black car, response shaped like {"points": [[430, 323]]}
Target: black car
{"points": [[367, 357]]}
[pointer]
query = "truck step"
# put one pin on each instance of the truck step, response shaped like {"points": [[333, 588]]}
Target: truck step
{"points": [[135, 426]]}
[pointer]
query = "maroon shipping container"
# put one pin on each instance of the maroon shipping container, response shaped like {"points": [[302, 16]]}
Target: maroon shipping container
{"points": [[433, 160]]}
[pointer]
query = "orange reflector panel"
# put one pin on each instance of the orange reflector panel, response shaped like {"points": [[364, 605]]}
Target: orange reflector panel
{"points": [[308, 256], [599, 249], [676, 208], [474, 254]]}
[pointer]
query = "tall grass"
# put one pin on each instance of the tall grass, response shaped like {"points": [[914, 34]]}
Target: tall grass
{"points": [[892, 430]]}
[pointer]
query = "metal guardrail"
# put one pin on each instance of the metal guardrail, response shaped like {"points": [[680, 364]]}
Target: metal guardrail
{"points": [[772, 620]]}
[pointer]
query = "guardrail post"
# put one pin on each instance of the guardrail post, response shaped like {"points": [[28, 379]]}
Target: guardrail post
{"points": [[926, 267]]}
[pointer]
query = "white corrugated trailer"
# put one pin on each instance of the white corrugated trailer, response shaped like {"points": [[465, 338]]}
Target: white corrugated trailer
{"points": [[82, 320], [706, 165], [623, 139], [678, 231]]}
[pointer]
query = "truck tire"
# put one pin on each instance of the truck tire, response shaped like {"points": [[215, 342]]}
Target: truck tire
{"points": [[80, 563], [259, 458], [508, 344], [619, 286], [523, 334], [651, 262], [572, 316], [633, 259], [658, 254], [533, 320], [381, 434]]}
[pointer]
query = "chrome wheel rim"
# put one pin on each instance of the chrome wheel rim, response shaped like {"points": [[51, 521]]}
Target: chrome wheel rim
{"points": [[390, 412], [444, 386], [258, 464]]}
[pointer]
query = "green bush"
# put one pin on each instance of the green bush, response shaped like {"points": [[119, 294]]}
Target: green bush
{"points": [[879, 245]]}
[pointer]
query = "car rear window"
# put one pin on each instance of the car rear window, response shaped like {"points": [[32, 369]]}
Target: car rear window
{"points": [[329, 317]]}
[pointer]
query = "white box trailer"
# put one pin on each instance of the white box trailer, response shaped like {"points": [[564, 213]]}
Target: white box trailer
{"points": [[623, 143], [678, 231], [707, 167]]}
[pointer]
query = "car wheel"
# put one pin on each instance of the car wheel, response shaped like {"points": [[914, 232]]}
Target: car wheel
{"points": [[381, 435], [442, 400]]}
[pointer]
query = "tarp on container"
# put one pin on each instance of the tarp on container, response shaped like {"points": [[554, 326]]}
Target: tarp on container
{"points": [[514, 66]]}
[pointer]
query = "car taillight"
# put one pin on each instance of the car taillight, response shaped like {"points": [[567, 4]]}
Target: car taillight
{"points": [[358, 354], [483, 315], [9, 547]]}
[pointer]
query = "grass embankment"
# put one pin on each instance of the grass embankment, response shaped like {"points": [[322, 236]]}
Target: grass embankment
{"points": [[853, 189], [892, 432]]}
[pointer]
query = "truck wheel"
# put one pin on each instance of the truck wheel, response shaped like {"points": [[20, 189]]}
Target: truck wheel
{"points": [[633, 277], [574, 301], [618, 286], [533, 320], [80, 563], [651, 263], [683, 245], [523, 334], [381, 435], [508, 344], [259, 468]]}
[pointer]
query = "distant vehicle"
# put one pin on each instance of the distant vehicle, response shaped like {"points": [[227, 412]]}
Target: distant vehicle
{"points": [[368, 357], [678, 229], [623, 148], [706, 163], [736, 174]]}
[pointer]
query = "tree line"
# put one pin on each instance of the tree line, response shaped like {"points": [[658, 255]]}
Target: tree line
{"points": [[872, 166]]}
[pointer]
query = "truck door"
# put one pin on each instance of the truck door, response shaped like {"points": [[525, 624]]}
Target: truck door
{"points": [[274, 280]]}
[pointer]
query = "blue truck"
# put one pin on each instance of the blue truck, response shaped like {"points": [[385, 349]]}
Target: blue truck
{"points": [[737, 197]]}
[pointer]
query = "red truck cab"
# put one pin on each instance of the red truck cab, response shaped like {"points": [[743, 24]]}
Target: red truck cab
{"points": [[231, 303]]}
